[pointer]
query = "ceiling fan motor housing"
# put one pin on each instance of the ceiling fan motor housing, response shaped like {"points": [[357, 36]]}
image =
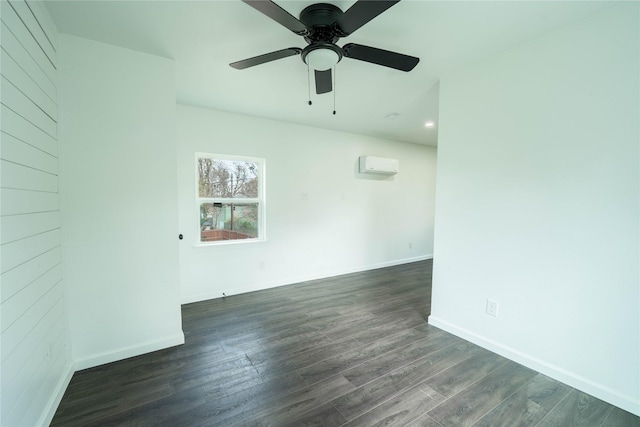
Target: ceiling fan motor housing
{"points": [[323, 32], [320, 20]]}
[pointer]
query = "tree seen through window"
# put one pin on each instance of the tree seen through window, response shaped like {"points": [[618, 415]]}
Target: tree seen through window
{"points": [[229, 199]]}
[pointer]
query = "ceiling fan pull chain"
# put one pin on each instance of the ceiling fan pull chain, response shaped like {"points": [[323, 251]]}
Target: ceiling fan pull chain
{"points": [[309, 83], [334, 90]]}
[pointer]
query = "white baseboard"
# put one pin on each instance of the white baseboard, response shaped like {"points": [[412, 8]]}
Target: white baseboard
{"points": [[623, 401], [123, 353], [187, 299], [56, 396]]}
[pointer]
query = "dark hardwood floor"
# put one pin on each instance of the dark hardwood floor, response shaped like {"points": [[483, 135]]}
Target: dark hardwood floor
{"points": [[354, 350]]}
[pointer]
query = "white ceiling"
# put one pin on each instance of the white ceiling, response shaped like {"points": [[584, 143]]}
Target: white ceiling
{"points": [[203, 37]]}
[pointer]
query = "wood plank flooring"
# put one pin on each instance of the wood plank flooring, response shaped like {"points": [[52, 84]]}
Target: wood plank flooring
{"points": [[353, 350]]}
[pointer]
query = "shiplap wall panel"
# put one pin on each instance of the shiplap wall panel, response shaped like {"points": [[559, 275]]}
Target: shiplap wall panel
{"points": [[17, 227], [23, 34], [34, 353], [14, 73], [21, 56], [19, 152], [20, 128], [24, 250], [15, 202], [57, 361], [13, 281], [12, 365], [23, 300], [14, 175], [15, 334], [17, 101], [29, 20], [44, 19]]}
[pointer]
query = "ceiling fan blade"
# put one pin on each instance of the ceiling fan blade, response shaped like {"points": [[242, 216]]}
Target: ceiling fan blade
{"points": [[323, 81], [267, 57], [362, 12], [278, 14], [381, 57]]}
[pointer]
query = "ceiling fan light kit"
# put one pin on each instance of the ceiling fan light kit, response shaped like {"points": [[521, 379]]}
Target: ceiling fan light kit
{"points": [[321, 56], [322, 25]]}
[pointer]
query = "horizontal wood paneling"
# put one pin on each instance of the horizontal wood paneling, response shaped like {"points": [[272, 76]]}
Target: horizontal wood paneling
{"points": [[12, 47], [42, 15], [19, 77], [16, 253], [23, 34], [25, 178], [16, 227], [34, 350], [13, 364], [57, 362], [19, 127], [15, 202], [15, 334], [35, 28], [20, 277], [19, 152], [21, 301], [17, 101]]}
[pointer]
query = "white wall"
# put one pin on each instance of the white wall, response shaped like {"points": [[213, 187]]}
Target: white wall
{"points": [[537, 205], [35, 358], [323, 218], [118, 194]]}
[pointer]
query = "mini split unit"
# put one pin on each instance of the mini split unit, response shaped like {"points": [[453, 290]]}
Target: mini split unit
{"points": [[378, 165]]}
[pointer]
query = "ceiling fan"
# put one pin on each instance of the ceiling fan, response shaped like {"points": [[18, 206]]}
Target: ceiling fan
{"points": [[322, 25]]}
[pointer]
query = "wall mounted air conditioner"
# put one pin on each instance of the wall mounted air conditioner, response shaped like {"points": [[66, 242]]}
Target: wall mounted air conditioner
{"points": [[370, 164]]}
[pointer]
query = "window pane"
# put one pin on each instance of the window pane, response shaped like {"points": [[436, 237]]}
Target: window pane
{"points": [[228, 221], [227, 178]]}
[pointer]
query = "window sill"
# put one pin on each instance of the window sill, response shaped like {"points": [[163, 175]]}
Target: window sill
{"points": [[228, 243]]}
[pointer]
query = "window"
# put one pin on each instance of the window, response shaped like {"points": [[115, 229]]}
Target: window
{"points": [[230, 198]]}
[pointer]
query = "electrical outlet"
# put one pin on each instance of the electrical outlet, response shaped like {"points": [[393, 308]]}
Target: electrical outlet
{"points": [[492, 308]]}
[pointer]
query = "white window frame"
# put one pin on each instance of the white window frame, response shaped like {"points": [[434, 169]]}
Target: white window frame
{"points": [[260, 200]]}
